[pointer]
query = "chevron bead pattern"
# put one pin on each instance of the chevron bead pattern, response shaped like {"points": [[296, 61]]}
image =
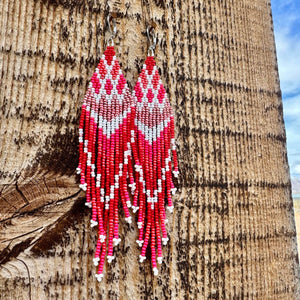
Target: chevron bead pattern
{"points": [[154, 129], [106, 146]]}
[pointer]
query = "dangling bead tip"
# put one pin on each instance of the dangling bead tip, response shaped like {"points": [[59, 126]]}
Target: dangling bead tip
{"points": [[99, 277], [116, 241], [176, 173], [94, 223], [96, 261], [142, 258], [165, 240], [110, 258], [88, 204], [140, 243], [128, 220], [83, 186], [135, 209], [155, 271]]}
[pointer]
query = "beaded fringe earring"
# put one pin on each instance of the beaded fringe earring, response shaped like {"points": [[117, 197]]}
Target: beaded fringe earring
{"points": [[106, 142], [154, 129]]}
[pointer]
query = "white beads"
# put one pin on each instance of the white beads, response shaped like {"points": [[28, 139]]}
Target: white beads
{"points": [[165, 240], [83, 186], [142, 258], [116, 241], [173, 190], [128, 220], [88, 204], [159, 260], [138, 168], [173, 144], [127, 152], [135, 209], [152, 200], [140, 243], [155, 271], [94, 223], [110, 258], [99, 277], [132, 137], [96, 261], [140, 225], [102, 238], [176, 173], [133, 187]]}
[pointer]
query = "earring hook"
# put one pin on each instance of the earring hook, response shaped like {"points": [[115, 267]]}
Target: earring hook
{"points": [[152, 39], [111, 30]]}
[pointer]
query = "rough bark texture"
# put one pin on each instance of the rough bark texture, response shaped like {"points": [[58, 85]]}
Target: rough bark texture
{"points": [[233, 230]]}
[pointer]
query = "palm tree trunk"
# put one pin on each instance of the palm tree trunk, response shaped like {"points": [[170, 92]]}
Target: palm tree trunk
{"points": [[233, 229]]}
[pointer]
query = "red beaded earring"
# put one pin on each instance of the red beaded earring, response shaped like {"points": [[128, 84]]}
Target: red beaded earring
{"points": [[106, 143], [154, 130]]}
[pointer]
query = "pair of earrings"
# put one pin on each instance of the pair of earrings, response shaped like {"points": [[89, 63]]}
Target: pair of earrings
{"points": [[126, 145]]}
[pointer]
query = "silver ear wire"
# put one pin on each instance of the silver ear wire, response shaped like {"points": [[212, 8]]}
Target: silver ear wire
{"points": [[152, 39], [110, 19]]}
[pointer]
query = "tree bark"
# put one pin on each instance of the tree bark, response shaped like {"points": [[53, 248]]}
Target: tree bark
{"points": [[233, 229]]}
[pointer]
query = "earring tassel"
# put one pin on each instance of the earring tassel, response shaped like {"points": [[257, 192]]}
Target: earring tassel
{"points": [[154, 127], [106, 142]]}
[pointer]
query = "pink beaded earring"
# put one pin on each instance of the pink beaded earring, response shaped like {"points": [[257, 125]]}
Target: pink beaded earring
{"points": [[106, 143], [154, 130]]}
